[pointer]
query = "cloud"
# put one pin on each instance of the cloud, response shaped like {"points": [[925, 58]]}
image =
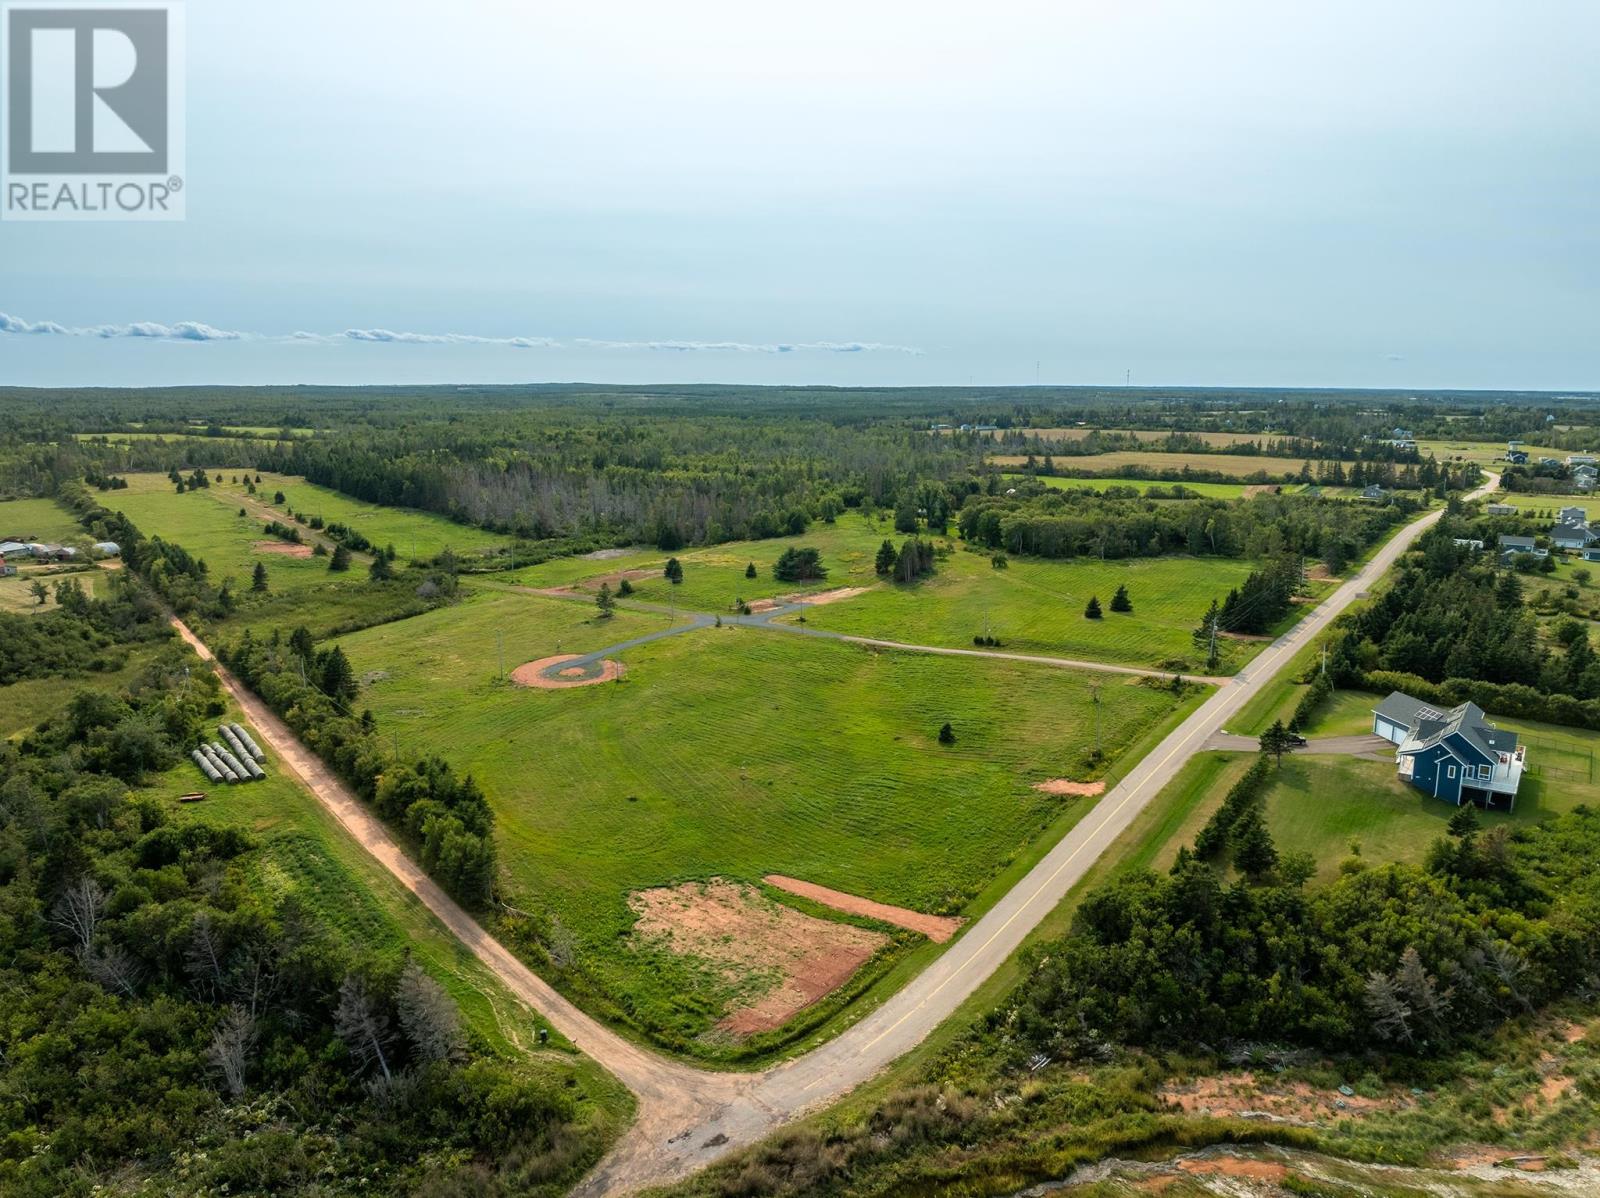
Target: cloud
{"points": [[186, 330], [193, 330]]}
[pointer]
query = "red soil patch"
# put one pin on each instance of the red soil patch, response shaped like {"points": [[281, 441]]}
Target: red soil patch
{"points": [[1235, 1166], [282, 548], [793, 959], [1241, 1095], [1573, 1032], [532, 673], [821, 598], [937, 928], [1065, 786]]}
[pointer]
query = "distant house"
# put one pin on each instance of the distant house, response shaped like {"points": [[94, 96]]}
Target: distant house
{"points": [[1400, 434], [1582, 459], [1455, 755], [108, 549], [1501, 509], [1469, 543], [1513, 446], [1374, 492], [1549, 461], [1572, 515], [14, 549], [1517, 457], [6, 570], [1592, 554], [1583, 482], [1511, 547]]}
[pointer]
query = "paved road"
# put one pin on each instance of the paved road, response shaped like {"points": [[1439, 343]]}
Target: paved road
{"points": [[689, 1117]]}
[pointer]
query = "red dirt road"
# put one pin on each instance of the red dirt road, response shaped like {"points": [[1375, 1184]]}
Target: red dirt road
{"points": [[937, 928]]}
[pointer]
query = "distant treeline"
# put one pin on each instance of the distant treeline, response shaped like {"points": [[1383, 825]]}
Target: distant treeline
{"points": [[1066, 524]]}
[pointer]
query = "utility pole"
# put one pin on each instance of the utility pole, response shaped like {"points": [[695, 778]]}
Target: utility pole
{"points": [[1324, 659], [500, 644], [1094, 697]]}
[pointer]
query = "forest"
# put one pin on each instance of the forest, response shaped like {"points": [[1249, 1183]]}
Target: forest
{"points": [[1451, 627], [168, 1012]]}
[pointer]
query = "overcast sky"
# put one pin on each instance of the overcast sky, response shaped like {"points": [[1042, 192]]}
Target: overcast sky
{"points": [[1345, 193]]}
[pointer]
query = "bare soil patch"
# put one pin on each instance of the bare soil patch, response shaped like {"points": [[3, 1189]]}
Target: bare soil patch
{"points": [[1066, 786], [533, 673], [615, 577], [1262, 489], [747, 938], [759, 606], [1241, 1095], [606, 555], [1244, 636], [822, 598], [937, 928], [1235, 1166], [282, 548], [1574, 1032]]}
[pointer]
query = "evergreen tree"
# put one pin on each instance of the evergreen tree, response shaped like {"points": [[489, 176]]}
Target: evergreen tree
{"points": [[884, 563], [340, 561], [1120, 601], [624, 587], [947, 735], [338, 679], [1253, 850], [1092, 610], [258, 579], [604, 601], [674, 571], [1275, 740], [750, 570], [380, 570]]}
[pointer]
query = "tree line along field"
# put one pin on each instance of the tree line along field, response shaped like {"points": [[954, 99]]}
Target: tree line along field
{"points": [[1237, 465], [736, 752], [1218, 439], [1144, 485]]}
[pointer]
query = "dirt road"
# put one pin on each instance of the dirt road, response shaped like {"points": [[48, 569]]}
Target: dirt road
{"points": [[690, 1117]]}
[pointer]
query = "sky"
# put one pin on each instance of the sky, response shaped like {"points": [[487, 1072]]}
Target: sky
{"points": [[1398, 194]]}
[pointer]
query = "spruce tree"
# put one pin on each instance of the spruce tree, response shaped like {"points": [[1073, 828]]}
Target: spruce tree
{"points": [[340, 561], [884, 563], [258, 579], [1092, 611], [1120, 601]]}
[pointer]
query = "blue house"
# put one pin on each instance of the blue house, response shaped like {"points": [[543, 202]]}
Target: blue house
{"points": [[1455, 755]]}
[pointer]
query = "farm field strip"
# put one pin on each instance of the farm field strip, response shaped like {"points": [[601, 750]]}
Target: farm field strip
{"points": [[1218, 439], [1236, 465]]}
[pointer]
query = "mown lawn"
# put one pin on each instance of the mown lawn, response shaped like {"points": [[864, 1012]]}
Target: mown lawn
{"points": [[737, 752], [1037, 606], [209, 527], [37, 520], [414, 534], [1142, 485], [1032, 606]]}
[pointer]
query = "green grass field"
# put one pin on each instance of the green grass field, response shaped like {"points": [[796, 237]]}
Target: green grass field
{"points": [[1550, 503], [209, 526], [37, 520], [736, 752], [1237, 465], [1033, 606], [414, 534], [1209, 490], [1485, 453], [1036, 606], [16, 595]]}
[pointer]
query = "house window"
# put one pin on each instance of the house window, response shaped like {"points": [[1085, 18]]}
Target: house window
{"points": [[1452, 773], [1484, 772]]}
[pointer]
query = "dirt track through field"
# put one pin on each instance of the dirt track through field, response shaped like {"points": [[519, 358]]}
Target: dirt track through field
{"points": [[687, 1117], [937, 928]]}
